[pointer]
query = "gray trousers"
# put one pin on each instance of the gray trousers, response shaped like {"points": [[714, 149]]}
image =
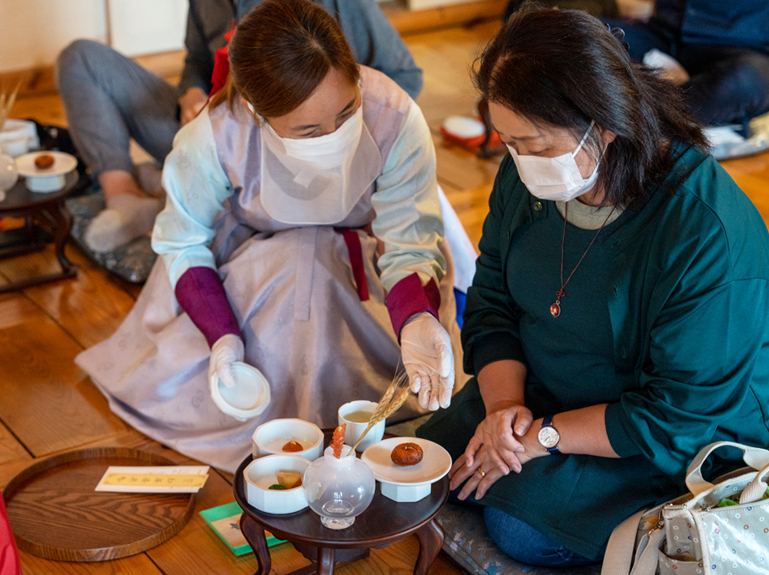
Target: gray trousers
{"points": [[109, 99]]}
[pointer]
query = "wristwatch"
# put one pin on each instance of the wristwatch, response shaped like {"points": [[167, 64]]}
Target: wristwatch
{"points": [[548, 435]]}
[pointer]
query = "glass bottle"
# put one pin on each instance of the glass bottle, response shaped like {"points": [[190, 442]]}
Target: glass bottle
{"points": [[8, 174], [338, 489]]}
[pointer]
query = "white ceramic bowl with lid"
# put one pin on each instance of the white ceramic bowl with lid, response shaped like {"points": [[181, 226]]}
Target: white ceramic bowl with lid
{"points": [[248, 398]]}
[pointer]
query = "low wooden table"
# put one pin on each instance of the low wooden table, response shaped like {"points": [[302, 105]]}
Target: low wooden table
{"points": [[383, 523], [47, 210]]}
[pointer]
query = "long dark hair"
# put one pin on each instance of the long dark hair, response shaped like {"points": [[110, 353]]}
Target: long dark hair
{"points": [[280, 52], [565, 68]]}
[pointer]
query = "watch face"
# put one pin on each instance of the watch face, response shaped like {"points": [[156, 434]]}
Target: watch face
{"points": [[548, 437]]}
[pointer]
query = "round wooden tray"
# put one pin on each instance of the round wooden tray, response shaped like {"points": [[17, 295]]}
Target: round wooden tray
{"points": [[56, 514]]}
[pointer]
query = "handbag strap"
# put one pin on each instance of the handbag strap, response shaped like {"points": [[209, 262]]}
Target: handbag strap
{"points": [[755, 457], [755, 490], [619, 551]]}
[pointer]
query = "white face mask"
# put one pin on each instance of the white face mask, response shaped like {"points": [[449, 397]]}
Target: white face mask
{"points": [[312, 181], [556, 179]]}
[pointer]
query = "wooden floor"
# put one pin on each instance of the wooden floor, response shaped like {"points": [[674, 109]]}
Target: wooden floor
{"points": [[48, 405]]}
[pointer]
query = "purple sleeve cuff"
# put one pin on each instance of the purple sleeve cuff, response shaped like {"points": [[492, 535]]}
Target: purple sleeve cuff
{"points": [[409, 297], [201, 294]]}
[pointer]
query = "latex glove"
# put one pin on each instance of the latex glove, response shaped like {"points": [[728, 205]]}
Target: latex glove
{"points": [[429, 361], [227, 350]]}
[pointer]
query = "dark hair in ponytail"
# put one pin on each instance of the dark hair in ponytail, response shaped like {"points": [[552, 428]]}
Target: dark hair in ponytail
{"points": [[280, 53], [565, 68]]}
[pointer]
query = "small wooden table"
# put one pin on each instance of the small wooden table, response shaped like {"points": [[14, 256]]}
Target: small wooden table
{"points": [[47, 209], [383, 523]]}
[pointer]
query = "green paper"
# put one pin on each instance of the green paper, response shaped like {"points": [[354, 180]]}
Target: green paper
{"points": [[223, 512]]}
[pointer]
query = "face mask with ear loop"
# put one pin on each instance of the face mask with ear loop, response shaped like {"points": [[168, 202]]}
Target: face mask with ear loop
{"points": [[317, 181], [556, 179]]}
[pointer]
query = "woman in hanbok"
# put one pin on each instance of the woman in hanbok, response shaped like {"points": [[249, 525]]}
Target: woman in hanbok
{"points": [[303, 235]]}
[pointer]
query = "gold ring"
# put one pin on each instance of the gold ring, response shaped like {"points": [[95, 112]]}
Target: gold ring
{"points": [[481, 471]]}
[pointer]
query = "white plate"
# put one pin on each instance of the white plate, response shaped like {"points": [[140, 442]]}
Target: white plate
{"points": [[62, 164], [436, 462]]}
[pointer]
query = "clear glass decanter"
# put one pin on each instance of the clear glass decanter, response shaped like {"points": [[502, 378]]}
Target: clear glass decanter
{"points": [[338, 489], [8, 174]]}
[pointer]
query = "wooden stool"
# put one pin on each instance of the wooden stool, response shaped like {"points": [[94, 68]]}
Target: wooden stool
{"points": [[46, 209]]}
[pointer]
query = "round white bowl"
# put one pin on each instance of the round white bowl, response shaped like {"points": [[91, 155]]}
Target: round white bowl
{"points": [[248, 398], [261, 473], [269, 438]]}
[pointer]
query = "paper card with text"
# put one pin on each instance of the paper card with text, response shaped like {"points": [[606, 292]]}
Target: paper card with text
{"points": [[156, 479]]}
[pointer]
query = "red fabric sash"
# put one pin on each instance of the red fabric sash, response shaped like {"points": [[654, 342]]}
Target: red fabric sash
{"points": [[352, 239]]}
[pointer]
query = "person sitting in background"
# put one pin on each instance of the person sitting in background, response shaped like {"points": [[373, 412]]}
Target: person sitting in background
{"points": [[616, 320], [722, 46], [110, 99]]}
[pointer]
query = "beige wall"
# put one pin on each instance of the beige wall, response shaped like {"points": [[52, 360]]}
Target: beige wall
{"points": [[32, 32]]}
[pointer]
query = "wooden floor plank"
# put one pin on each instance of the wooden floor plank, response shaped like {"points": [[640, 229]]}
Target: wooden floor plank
{"points": [[47, 401], [461, 168], [135, 565], [446, 58], [89, 307], [16, 308], [10, 448]]}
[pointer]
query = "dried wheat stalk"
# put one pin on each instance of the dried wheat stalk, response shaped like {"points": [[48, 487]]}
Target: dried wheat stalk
{"points": [[6, 103], [395, 396]]}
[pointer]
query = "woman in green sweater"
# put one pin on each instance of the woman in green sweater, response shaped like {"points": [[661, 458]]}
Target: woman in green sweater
{"points": [[617, 319]]}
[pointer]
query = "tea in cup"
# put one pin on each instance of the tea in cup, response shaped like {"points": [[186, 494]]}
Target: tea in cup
{"points": [[357, 414]]}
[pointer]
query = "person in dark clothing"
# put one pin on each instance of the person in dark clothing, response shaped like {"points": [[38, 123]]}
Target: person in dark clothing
{"points": [[606, 327], [724, 48]]}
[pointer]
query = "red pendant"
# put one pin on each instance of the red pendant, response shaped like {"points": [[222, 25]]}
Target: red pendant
{"points": [[555, 309]]}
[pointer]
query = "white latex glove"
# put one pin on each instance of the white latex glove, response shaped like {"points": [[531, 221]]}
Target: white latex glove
{"points": [[227, 350], [429, 361]]}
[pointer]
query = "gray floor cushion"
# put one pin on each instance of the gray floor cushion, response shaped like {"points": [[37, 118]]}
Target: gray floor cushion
{"points": [[132, 262], [468, 543]]}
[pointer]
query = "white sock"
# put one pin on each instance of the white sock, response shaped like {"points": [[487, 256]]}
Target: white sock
{"points": [[126, 217]]}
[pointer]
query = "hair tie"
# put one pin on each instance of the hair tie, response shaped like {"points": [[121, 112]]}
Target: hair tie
{"points": [[619, 34]]}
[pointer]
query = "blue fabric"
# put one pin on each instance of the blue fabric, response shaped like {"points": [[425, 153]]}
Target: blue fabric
{"points": [[733, 22], [527, 545], [461, 299]]}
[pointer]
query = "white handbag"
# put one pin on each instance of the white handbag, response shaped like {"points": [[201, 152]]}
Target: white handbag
{"points": [[691, 536]]}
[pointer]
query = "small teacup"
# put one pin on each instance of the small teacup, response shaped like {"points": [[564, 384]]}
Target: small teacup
{"points": [[357, 414]]}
